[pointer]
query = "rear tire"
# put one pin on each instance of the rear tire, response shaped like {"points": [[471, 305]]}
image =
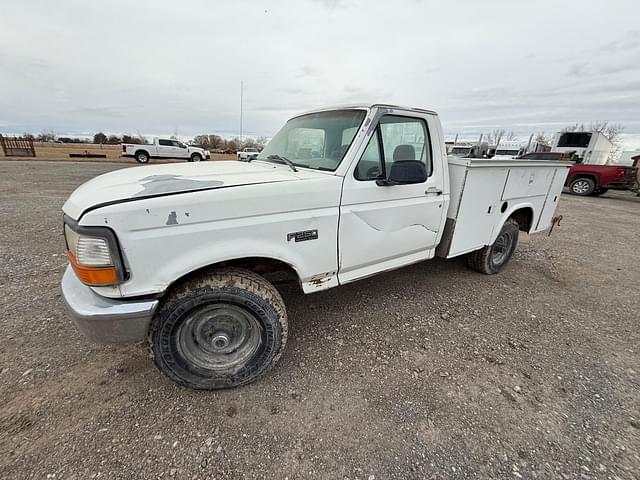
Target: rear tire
{"points": [[142, 157], [219, 330], [493, 258], [582, 186]]}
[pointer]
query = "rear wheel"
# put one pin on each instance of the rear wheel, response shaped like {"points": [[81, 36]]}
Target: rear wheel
{"points": [[582, 186], [142, 157], [493, 258], [219, 330]]}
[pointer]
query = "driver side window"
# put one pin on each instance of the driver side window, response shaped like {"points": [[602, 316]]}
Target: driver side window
{"points": [[396, 138]]}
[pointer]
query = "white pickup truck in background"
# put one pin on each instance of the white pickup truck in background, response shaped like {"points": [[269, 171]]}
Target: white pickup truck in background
{"points": [[247, 154], [164, 148], [183, 255]]}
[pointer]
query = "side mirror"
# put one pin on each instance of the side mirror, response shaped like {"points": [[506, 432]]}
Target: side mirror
{"points": [[404, 172]]}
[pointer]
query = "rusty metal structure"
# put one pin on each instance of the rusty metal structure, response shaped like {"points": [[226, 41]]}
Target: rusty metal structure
{"points": [[17, 146]]}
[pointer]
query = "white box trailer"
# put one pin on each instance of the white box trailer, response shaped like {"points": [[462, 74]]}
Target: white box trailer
{"points": [[485, 190], [592, 148]]}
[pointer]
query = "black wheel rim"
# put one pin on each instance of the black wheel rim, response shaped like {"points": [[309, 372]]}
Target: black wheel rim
{"points": [[502, 248], [219, 337]]}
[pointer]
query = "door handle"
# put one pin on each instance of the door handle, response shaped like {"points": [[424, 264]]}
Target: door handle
{"points": [[433, 191]]}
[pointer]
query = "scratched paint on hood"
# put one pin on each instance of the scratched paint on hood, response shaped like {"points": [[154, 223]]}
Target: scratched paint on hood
{"points": [[162, 184]]}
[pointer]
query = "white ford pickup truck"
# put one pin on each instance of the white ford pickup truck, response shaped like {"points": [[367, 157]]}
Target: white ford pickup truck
{"points": [[164, 148], [182, 254]]}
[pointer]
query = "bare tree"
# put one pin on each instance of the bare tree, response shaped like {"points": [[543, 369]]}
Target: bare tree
{"points": [[577, 127], [543, 139], [495, 135], [49, 136], [610, 130], [262, 141]]}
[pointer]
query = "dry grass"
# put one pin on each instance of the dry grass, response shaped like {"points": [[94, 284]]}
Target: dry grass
{"points": [[61, 151]]}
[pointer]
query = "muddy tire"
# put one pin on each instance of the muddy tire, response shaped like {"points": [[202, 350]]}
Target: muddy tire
{"points": [[221, 329], [493, 258], [582, 186], [142, 156]]}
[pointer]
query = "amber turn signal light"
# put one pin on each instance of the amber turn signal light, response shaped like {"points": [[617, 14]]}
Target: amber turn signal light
{"points": [[95, 276]]}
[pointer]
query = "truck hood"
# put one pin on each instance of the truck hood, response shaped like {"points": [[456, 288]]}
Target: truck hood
{"points": [[134, 183]]}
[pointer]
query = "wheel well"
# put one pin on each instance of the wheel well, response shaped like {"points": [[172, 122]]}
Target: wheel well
{"points": [[196, 154], [275, 271], [141, 150], [585, 175], [524, 217]]}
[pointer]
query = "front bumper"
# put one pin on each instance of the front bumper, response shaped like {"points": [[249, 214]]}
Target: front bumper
{"points": [[105, 320]]}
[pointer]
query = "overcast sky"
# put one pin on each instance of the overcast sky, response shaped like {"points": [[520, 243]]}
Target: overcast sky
{"points": [[166, 66]]}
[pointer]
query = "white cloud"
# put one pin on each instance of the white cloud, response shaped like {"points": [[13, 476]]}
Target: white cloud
{"points": [[157, 66]]}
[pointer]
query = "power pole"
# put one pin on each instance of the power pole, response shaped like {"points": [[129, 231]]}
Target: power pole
{"points": [[241, 93]]}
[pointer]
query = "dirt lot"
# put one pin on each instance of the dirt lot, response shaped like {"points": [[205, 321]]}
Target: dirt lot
{"points": [[432, 371], [61, 151]]}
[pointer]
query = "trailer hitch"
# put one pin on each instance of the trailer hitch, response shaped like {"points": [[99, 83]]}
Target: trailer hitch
{"points": [[554, 221]]}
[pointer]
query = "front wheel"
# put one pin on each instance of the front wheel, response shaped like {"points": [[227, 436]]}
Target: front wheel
{"points": [[219, 330], [195, 158], [493, 258]]}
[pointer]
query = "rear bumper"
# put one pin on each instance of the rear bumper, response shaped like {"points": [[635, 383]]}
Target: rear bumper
{"points": [[105, 320], [624, 185]]}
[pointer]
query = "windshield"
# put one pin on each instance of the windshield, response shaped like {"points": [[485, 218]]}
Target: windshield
{"points": [[317, 140]]}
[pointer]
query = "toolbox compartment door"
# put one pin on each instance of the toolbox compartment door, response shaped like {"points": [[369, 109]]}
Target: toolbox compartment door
{"points": [[552, 198]]}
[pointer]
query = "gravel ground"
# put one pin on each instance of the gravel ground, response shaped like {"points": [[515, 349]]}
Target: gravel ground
{"points": [[432, 371]]}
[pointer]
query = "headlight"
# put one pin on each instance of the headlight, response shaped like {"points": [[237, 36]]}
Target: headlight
{"points": [[93, 254]]}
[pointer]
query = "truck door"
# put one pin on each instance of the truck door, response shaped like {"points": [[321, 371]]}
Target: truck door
{"points": [[180, 149], [167, 149], [384, 226]]}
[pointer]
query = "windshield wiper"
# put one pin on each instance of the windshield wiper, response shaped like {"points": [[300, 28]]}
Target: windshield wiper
{"points": [[282, 159]]}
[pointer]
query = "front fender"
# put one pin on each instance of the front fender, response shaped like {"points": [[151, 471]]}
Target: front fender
{"points": [[165, 238]]}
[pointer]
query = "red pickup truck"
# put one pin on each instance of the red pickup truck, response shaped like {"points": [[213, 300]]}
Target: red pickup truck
{"points": [[584, 179]]}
